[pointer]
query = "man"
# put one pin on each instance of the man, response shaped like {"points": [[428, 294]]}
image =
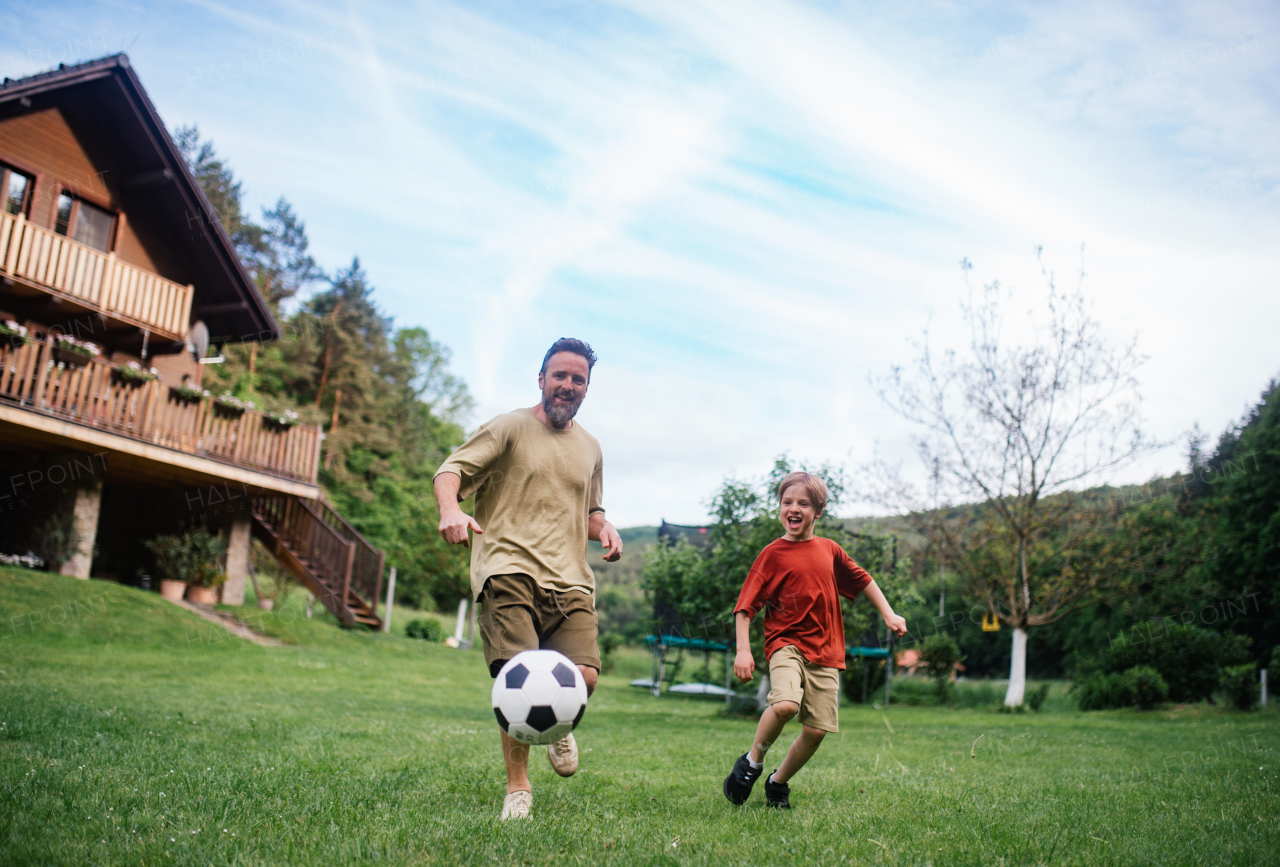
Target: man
{"points": [[538, 480]]}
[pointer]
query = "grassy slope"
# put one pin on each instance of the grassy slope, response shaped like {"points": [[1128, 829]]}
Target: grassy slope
{"points": [[355, 747]]}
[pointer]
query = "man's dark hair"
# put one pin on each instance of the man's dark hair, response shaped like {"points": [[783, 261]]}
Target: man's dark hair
{"points": [[574, 345]]}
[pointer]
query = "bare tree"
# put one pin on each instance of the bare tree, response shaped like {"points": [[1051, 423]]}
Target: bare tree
{"points": [[1008, 426]]}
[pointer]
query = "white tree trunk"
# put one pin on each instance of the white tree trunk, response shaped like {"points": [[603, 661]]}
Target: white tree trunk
{"points": [[1017, 669]]}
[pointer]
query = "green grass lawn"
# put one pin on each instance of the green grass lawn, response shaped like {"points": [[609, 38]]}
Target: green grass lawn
{"points": [[130, 734]]}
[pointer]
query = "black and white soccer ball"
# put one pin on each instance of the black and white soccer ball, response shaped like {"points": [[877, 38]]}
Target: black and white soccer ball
{"points": [[539, 696]]}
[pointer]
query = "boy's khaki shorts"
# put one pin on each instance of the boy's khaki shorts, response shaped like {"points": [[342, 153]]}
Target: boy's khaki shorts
{"points": [[516, 614], [815, 688]]}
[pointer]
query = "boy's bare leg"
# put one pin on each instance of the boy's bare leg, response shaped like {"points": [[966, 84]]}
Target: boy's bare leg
{"points": [[771, 722], [801, 751], [516, 757]]}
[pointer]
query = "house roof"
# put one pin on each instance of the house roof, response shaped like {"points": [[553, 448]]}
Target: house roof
{"points": [[106, 95]]}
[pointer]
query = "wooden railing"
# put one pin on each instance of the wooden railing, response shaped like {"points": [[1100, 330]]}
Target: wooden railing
{"points": [[94, 393], [99, 279], [367, 567], [342, 565]]}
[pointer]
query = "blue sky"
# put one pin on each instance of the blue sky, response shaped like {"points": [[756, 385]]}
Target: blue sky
{"points": [[747, 208]]}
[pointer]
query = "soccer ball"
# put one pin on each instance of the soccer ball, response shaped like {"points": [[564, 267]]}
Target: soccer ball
{"points": [[539, 696]]}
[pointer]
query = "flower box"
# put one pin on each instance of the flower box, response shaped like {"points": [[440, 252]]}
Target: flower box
{"points": [[281, 421], [13, 333], [187, 394], [72, 352], [230, 406], [134, 374]]}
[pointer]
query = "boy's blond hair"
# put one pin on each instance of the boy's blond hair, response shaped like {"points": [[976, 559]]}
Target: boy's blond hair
{"points": [[813, 485]]}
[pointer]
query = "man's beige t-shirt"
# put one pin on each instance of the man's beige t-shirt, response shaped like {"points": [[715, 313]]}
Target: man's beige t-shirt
{"points": [[535, 490]]}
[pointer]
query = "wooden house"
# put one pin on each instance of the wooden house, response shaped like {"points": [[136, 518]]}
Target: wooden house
{"points": [[113, 265]]}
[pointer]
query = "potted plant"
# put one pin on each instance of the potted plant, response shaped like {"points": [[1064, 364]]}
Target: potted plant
{"points": [[15, 334], [133, 373], [204, 591], [205, 552], [271, 584], [73, 352], [172, 562], [189, 564]]}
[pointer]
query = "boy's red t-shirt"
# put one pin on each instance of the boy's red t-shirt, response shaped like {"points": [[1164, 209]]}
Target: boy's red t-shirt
{"points": [[800, 585]]}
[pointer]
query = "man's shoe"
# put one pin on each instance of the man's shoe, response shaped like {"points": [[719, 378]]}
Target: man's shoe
{"points": [[564, 756], [516, 805], [777, 794], [737, 786]]}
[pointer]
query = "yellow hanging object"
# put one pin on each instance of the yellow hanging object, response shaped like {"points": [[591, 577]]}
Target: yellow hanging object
{"points": [[990, 623]]}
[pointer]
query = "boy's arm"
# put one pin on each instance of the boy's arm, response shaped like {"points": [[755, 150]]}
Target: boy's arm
{"points": [[744, 664], [893, 621]]}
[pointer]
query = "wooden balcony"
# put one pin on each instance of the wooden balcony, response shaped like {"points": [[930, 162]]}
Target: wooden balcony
{"points": [[97, 280], [34, 376]]}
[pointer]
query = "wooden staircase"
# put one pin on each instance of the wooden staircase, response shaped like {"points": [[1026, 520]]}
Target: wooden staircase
{"points": [[325, 553]]}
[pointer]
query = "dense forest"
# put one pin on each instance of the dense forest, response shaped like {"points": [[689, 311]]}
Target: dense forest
{"points": [[390, 409]]}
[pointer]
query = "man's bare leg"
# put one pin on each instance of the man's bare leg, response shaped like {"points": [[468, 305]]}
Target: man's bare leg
{"points": [[590, 675], [563, 754], [516, 757]]}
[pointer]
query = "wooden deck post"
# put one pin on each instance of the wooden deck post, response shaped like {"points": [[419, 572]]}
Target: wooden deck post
{"points": [[347, 618], [382, 561], [15, 241], [46, 357]]}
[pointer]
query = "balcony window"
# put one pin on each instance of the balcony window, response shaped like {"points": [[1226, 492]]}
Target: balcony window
{"points": [[63, 220], [84, 222], [93, 226], [17, 187]]}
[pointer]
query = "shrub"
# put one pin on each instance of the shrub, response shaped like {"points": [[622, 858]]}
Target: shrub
{"points": [[426, 630], [1103, 691], [939, 655], [1035, 699], [976, 693], [58, 540], [914, 692], [609, 643], [1189, 658], [1145, 686], [1241, 686]]}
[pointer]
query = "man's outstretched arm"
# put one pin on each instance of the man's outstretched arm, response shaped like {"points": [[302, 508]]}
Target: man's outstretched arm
{"points": [[454, 523], [599, 530]]}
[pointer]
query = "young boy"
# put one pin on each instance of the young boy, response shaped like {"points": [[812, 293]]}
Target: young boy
{"points": [[799, 580]]}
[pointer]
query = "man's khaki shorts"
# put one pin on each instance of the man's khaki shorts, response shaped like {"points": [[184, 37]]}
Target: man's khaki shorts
{"points": [[516, 614], [815, 688]]}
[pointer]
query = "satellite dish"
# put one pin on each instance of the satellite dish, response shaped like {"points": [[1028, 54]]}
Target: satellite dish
{"points": [[198, 339]]}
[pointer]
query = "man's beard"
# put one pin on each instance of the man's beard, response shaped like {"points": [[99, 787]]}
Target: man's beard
{"points": [[560, 414]]}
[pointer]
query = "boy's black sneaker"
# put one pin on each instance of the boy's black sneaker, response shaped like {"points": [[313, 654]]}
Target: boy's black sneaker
{"points": [[737, 786], [777, 794]]}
